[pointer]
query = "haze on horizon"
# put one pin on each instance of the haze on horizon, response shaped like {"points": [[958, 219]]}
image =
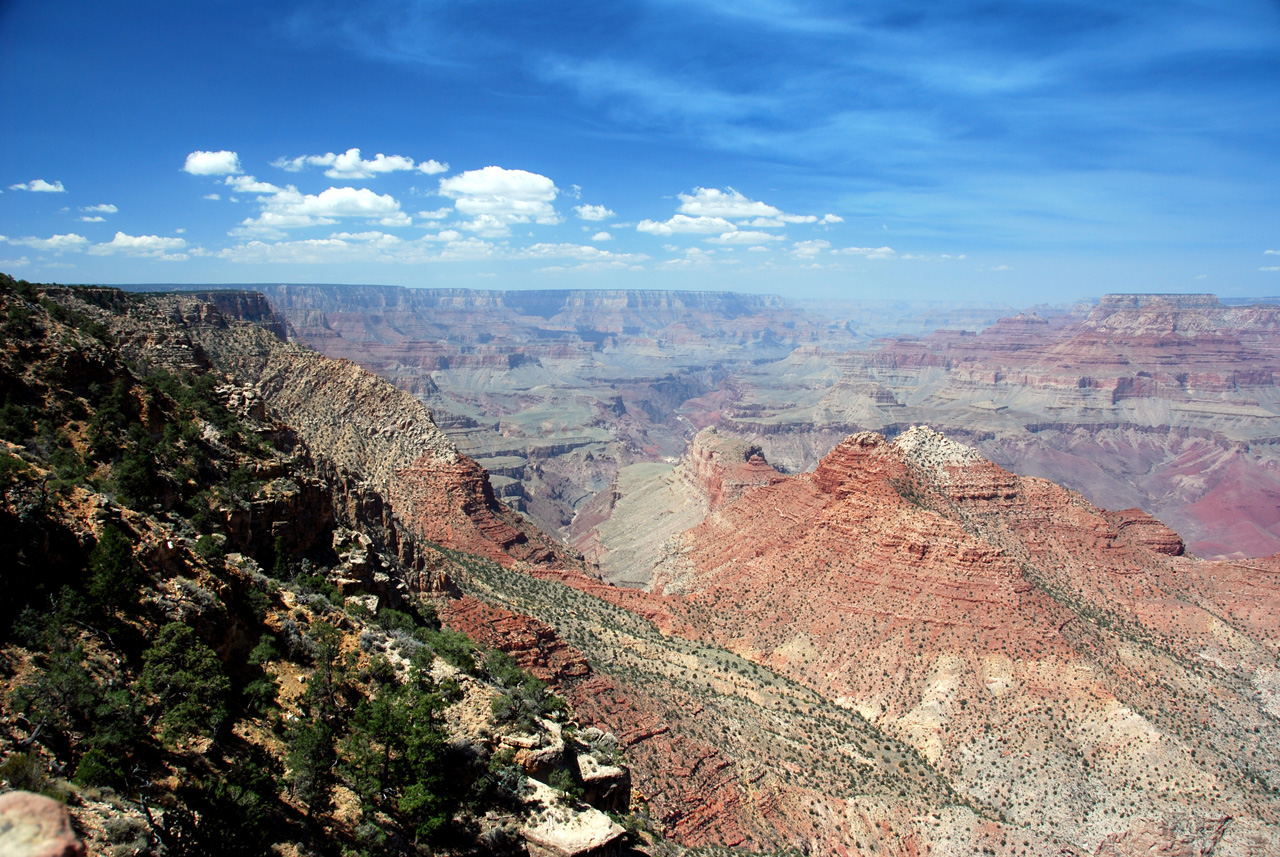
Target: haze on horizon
{"points": [[1020, 152]]}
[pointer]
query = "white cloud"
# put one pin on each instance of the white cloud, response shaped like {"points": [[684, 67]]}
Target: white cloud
{"points": [[869, 252], [397, 219], [682, 223], [218, 163], [583, 252], [745, 238], [602, 236], [94, 219], [693, 257], [212, 196], [1270, 268], [593, 212], [443, 235], [337, 202], [1000, 268], [287, 208], [349, 165], [271, 224], [249, 184], [105, 208], [145, 246], [487, 226], [438, 214], [371, 246], [20, 262], [728, 203], [757, 249], [496, 198], [70, 242], [809, 249], [40, 186], [1271, 252]]}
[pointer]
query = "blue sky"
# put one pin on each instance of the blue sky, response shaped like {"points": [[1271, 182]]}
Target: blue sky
{"points": [[1014, 151]]}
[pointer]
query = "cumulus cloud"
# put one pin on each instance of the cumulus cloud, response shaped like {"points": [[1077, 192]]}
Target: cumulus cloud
{"points": [[104, 208], [683, 223], [94, 219], [727, 203], [1270, 268], [218, 163], [732, 205], [809, 249], [1271, 252], [349, 165], [144, 246], [593, 212], [249, 184], [39, 186], [70, 242], [288, 208], [745, 237], [438, 214], [495, 198], [602, 236], [212, 196]]}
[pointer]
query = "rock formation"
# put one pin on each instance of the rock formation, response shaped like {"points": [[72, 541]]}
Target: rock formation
{"points": [[1165, 402], [909, 650], [1049, 656], [33, 825]]}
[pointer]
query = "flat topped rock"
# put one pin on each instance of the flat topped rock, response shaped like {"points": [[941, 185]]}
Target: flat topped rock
{"points": [[33, 825], [562, 831]]}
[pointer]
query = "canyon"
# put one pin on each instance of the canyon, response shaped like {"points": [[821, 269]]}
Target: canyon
{"points": [[889, 643], [574, 400], [908, 647]]}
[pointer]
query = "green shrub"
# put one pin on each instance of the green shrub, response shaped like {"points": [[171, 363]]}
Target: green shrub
{"points": [[186, 679], [98, 769]]}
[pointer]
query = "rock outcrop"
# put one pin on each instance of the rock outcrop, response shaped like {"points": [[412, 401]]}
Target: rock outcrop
{"points": [[1020, 639], [33, 825], [1164, 402]]}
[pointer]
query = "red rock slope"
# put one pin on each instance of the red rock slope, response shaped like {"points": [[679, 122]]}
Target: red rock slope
{"points": [[1061, 663]]}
